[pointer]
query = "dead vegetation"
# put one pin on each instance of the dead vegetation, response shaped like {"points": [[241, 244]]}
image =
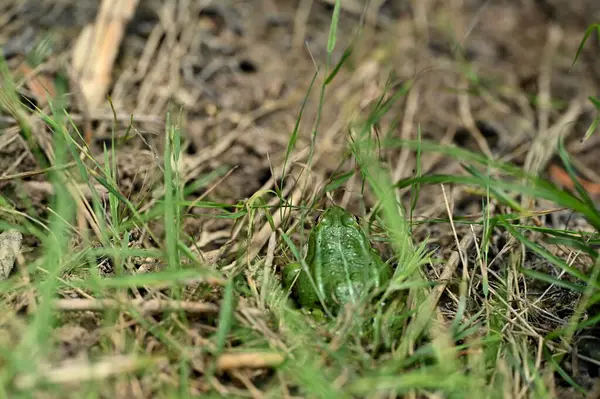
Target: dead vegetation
{"points": [[495, 78]]}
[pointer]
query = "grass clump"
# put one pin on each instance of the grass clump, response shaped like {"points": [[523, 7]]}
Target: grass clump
{"points": [[475, 315]]}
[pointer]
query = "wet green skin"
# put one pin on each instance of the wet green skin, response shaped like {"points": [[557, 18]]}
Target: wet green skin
{"points": [[340, 260]]}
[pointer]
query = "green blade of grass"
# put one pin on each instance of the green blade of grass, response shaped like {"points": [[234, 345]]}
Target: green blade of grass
{"points": [[545, 254], [226, 318]]}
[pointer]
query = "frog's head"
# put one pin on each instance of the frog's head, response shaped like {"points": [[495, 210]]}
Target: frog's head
{"points": [[337, 216]]}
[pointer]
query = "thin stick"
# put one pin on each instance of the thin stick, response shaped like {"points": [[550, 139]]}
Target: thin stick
{"points": [[230, 361], [143, 305]]}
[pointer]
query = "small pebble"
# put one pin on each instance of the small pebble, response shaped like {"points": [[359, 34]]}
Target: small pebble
{"points": [[10, 248]]}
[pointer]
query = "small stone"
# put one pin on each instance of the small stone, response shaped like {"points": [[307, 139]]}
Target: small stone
{"points": [[10, 248]]}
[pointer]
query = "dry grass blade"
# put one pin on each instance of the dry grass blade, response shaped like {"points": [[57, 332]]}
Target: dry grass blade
{"points": [[427, 308]]}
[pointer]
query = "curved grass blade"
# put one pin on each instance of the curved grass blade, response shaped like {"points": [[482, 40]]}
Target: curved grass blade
{"points": [[542, 252], [538, 188], [225, 322], [564, 156], [590, 29]]}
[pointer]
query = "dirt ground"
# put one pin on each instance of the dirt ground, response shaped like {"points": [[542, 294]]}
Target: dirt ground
{"points": [[238, 72], [233, 75]]}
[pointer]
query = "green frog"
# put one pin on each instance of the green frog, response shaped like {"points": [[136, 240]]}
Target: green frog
{"points": [[341, 262]]}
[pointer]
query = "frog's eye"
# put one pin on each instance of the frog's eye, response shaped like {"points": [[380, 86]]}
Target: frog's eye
{"points": [[324, 219], [350, 220]]}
